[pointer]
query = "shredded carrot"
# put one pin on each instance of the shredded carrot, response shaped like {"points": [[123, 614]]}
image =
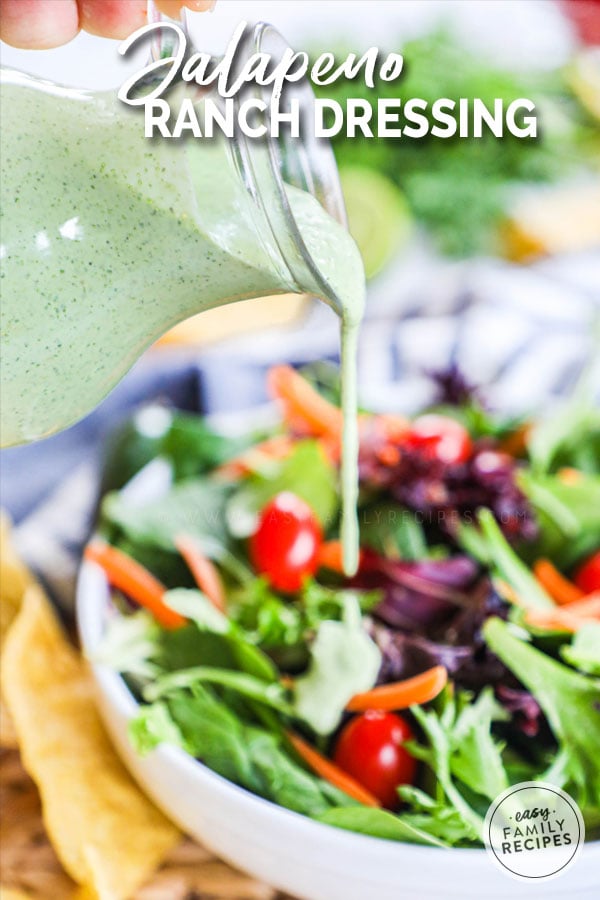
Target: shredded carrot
{"points": [[331, 773], [389, 455], [567, 618], [569, 475], [419, 689], [556, 620], [302, 405], [254, 458], [515, 443], [206, 574], [385, 435], [307, 412], [136, 582], [560, 588], [330, 556], [331, 446], [588, 606], [394, 427]]}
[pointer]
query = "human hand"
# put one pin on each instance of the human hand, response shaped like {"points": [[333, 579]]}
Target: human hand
{"points": [[40, 24]]}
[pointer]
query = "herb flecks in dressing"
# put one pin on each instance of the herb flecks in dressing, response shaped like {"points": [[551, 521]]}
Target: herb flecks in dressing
{"points": [[108, 240]]}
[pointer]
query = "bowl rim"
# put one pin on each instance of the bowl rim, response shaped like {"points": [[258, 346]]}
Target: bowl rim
{"points": [[92, 602]]}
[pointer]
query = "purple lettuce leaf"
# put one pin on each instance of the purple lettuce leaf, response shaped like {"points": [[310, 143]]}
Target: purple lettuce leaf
{"points": [[523, 706], [418, 596], [432, 613], [445, 494]]}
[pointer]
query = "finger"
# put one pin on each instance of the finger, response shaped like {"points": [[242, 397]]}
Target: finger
{"points": [[38, 24], [112, 18], [172, 8]]}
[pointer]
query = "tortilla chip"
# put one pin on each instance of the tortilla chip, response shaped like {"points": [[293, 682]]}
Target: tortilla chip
{"points": [[14, 578], [101, 825], [14, 581], [8, 735]]}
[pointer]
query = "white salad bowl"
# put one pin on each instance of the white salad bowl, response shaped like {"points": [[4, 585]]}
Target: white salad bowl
{"points": [[289, 851]]}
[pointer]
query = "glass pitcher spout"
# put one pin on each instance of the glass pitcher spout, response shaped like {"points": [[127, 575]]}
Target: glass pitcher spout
{"points": [[294, 181], [109, 239]]}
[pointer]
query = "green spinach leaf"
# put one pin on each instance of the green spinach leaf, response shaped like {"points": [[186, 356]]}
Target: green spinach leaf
{"points": [[306, 472], [195, 507], [246, 754], [379, 823]]}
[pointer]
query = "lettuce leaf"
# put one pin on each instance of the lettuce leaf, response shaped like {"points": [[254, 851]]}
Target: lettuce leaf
{"points": [[463, 754], [569, 699], [573, 425], [195, 507], [246, 754], [436, 817], [508, 565], [584, 651], [379, 823], [568, 514], [306, 472]]}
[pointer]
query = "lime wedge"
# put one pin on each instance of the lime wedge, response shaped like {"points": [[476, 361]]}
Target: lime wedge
{"points": [[379, 217]]}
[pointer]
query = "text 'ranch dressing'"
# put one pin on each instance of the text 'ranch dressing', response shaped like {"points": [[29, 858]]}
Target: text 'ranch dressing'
{"points": [[108, 240]]}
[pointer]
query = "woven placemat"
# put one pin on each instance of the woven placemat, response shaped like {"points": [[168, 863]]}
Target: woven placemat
{"points": [[28, 862]]}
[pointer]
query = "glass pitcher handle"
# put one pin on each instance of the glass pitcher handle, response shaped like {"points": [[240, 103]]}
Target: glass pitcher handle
{"points": [[162, 44]]}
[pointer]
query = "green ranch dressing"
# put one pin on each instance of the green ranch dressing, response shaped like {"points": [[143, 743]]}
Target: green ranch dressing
{"points": [[109, 239], [338, 257]]}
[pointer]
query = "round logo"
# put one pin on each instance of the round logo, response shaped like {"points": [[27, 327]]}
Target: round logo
{"points": [[533, 830]]}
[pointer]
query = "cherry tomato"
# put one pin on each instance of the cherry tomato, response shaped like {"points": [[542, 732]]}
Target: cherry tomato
{"points": [[370, 749], [286, 543], [587, 576], [440, 438]]}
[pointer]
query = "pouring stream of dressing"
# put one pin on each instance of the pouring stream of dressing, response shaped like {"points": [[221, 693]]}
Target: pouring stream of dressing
{"points": [[338, 258]]}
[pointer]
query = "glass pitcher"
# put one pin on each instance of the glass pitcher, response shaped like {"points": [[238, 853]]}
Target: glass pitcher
{"points": [[109, 239]]}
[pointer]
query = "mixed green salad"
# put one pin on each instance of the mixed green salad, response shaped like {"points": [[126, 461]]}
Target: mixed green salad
{"points": [[464, 655]]}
